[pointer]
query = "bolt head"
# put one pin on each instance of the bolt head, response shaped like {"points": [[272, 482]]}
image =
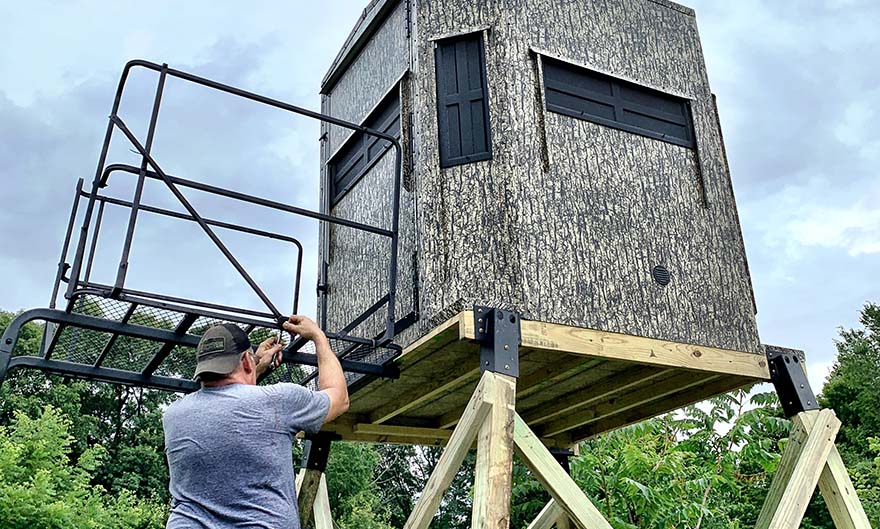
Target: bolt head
{"points": [[506, 366], [506, 347], [481, 329]]}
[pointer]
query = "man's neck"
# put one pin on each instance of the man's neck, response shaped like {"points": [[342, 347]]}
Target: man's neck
{"points": [[236, 378]]}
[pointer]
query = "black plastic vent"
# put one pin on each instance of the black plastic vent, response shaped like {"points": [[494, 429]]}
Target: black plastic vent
{"points": [[661, 275]]}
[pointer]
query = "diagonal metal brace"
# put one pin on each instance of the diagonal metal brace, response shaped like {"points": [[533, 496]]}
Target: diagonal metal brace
{"points": [[198, 218]]}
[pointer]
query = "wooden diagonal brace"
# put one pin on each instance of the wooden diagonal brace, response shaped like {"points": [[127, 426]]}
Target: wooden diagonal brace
{"points": [[549, 515], [836, 487], [561, 487], [459, 443], [321, 512], [799, 470]]}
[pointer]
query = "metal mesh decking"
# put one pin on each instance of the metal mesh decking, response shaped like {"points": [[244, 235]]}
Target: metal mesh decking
{"points": [[69, 344]]}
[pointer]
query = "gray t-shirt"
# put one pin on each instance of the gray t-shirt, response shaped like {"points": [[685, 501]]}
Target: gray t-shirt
{"points": [[229, 454]]}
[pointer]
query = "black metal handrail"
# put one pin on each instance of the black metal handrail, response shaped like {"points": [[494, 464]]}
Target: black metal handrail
{"points": [[79, 282]]}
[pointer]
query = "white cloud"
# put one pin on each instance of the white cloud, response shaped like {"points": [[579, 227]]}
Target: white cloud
{"points": [[817, 372], [855, 229]]}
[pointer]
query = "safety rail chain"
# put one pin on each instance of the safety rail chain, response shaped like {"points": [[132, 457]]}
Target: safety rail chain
{"points": [[144, 317]]}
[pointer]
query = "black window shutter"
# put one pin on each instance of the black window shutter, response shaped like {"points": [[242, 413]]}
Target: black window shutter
{"points": [[361, 151], [462, 102], [616, 103]]}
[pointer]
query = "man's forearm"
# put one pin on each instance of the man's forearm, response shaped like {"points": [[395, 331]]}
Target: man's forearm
{"points": [[331, 379], [330, 373]]}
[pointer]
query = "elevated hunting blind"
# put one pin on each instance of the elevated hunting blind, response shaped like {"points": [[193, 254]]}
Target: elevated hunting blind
{"points": [[563, 161], [528, 237]]}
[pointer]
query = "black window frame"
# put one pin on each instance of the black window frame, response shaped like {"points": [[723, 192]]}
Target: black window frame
{"points": [[363, 151], [446, 98], [577, 101]]}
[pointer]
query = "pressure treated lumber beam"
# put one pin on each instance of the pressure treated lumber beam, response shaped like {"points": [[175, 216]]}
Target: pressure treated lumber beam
{"points": [[355, 428], [616, 346], [493, 473], [567, 367], [613, 384], [798, 472], [548, 516], [450, 460], [386, 430], [561, 487], [422, 394], [679, 382], [835, 485], [654, 407], [534, 382]]}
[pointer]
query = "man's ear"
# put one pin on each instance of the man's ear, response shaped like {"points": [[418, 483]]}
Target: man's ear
{"points": [[247, 362]]}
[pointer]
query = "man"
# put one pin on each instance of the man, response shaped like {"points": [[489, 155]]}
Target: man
{"points": [[229, 444]]}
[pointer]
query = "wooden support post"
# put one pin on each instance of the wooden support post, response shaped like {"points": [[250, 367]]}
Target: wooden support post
{"points": [[799, 470], [836, 487], [549, 515], [459, 443], [323, 520], [307, 483], [314, 462], [561, 487], [494, 469]]}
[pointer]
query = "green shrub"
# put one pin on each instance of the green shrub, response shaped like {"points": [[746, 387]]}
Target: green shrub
{"points": [[40, 487]]}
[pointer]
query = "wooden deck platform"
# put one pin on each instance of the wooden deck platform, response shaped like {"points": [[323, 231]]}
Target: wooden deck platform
{"points": [[574, 383]]}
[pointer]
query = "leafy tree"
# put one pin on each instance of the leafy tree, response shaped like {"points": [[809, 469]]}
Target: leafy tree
{"points": [[852, 390], [125, 422], [853, 387], [41, 487], [352, 487]]}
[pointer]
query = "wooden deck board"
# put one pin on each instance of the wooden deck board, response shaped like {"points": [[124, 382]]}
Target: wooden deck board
{"points": [[574, 383]]}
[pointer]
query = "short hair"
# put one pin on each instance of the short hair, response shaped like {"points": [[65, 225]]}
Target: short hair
{"points": [[213, 377]]}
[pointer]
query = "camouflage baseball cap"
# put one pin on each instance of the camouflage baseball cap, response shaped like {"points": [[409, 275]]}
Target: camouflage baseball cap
{"points": [[220, 349]]}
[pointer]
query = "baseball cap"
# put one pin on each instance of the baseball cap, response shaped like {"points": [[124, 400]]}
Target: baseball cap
{"points": [[220, 349]]}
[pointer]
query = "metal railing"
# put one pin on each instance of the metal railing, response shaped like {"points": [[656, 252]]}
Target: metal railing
{"points": [[79, 281]]}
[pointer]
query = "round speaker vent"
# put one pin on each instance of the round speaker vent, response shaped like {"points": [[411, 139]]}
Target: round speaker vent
{"points": [[661, 275]]}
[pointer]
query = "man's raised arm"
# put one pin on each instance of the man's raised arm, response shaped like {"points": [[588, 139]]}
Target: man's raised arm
{"points": [[331, 379]]}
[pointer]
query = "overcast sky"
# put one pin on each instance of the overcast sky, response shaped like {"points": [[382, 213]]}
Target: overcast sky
{"points": [[798, 86]]}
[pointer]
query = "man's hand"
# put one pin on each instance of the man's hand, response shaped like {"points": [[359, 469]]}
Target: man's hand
{"points": [[305, 327], [268, 355], [331, 379]]}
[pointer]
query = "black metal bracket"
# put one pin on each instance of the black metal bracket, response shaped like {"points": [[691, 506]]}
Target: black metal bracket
{"points": [[316, 451], [562, 456], [790, 380], [498, 332]]}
